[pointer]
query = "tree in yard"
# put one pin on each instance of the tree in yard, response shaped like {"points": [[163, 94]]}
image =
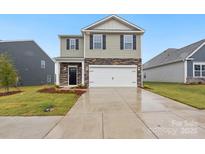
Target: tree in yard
{"points": [[8, 74]]}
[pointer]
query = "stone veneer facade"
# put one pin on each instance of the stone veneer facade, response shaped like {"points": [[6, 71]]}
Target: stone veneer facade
{"points": [[113, 61], [97, 61], [64, 73]]}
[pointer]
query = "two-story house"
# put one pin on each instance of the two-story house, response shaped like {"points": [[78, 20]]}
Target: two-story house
{"points": [[107, 54], [33, 65]]}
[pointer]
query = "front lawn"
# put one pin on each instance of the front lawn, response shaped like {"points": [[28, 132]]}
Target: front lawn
{"points": [[32, 103], [193, 95]]}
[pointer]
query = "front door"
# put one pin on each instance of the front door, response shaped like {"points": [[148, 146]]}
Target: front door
{"points": [[72, 75]]}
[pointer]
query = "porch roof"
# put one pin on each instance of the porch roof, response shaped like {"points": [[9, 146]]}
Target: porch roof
{"points": [[66, 59]]}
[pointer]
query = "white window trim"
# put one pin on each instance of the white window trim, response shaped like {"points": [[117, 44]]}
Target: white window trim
{"points": [[72, 39], [198, 63], [101, 41], [131, 42], [44, 66]]}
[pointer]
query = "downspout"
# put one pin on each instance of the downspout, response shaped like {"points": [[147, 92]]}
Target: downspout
{"points": [[57, 72], [185, 71], [83, 63]]}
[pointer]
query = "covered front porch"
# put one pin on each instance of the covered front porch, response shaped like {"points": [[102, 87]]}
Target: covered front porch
{"points": [[69, 71]]}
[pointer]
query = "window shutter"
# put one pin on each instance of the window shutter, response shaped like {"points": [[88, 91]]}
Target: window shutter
{"points": [[104, 41], [91, 41], [77, 44], [134, 42], [68, 44], [121, 42]]}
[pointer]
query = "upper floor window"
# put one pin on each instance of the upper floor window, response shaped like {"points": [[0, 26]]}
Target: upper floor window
{"points": [[72, 43], [199, 70], [128, 41], [97, 41], [43, 64]]}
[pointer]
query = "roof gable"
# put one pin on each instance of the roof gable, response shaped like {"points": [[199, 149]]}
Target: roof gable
{"points": [[113, 23]]}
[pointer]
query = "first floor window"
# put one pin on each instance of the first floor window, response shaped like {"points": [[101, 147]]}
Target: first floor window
{"points": [[43, 64], [97, 41], [48, 78], [199, 70], [145, 76], [128, 41], [203, 71], [72, 44]]}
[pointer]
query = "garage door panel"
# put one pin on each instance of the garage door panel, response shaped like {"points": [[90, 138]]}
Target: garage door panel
{"points": [[113, 76]]}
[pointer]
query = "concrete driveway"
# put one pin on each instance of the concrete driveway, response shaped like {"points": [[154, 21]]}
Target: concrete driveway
{"points": [[129, 113]]}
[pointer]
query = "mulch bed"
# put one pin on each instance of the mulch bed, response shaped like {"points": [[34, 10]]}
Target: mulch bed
{"points": [[53, 90], [79, 87], [9, 93]]}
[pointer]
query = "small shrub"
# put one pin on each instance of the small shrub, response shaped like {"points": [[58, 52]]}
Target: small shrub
{"points": [[199, 82], [47, 107], [57, 86]]}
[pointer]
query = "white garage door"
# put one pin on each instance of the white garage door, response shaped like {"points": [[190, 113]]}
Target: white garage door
{"points": [[113, 76]]}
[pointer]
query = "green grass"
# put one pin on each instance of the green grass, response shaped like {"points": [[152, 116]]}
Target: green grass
{"points": [[193, 95], [32, 103]]}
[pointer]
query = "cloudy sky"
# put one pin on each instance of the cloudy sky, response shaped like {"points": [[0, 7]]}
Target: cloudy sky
{"points": [[161, 31]]}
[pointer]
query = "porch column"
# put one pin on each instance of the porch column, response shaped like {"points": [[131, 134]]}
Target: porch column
{"points": [[83, 72], [57, 72]]}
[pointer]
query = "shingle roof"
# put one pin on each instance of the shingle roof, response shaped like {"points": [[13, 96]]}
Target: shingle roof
{"points": [[61, 36], [172, 55], [21, 47]]}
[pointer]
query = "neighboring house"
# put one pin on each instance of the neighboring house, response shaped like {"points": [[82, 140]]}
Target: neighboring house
{"points": [[33, 65], [107, 54], [184, 65]]}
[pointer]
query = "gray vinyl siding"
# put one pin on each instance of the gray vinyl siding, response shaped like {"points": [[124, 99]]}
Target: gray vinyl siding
{"points": [[27, 56], [166, 73], [189, 68], [199, 56]]}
